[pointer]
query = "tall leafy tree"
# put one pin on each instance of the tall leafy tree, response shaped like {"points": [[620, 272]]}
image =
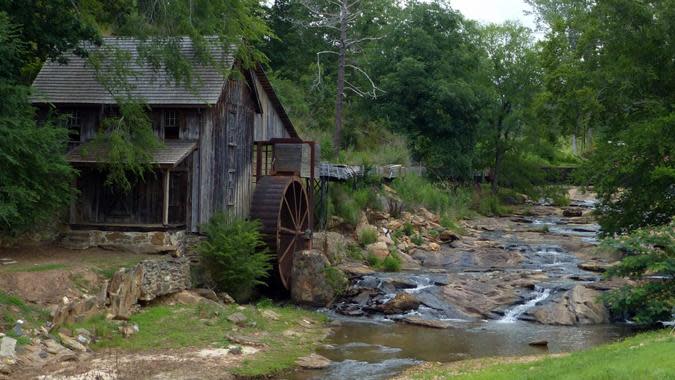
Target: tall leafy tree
{"points": [[620, 66], [48, 28], [515, 80], [34, 176], [434, 77]]}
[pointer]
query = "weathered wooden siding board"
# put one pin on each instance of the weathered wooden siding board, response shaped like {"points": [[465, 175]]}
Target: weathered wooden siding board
{"points": [[98, 203], [206, 156], [268, 125], [226, 160]]}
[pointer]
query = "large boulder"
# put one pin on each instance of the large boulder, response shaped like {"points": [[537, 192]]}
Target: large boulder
{"points": [[313, 279], [162, 277], [578, 306], [77, 310], [378, 249], [124, 291], [332, 244], [401, 303]]}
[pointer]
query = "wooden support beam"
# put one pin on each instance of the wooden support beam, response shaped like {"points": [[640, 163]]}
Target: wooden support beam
{"points": [[165, 200]]}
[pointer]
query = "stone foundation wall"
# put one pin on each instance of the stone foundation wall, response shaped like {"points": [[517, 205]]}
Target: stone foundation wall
{"points": [[146, 281], [137, 242]]}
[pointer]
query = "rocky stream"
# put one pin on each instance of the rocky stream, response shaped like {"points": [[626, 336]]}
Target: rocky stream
{"points": [[510, 286]]}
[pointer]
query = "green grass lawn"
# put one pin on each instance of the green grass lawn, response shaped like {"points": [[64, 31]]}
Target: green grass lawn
{"points": [[645, 356], [13, 308], [204, 325]]}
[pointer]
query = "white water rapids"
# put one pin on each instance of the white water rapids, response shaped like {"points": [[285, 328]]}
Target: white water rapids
{"points": [[512, 315]]}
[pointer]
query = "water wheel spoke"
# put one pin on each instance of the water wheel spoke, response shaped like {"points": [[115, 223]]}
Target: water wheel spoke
{"points": [[288, 248], [287, 231], [304, 217], [290, 211], [298, 194]]}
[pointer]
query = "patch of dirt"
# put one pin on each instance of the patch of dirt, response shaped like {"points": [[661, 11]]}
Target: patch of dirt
{"points": [[189, 363], [44, 274]]}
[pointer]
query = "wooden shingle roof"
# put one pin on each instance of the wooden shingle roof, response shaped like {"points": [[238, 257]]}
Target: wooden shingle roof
{"points": [[170, 154], [76, 82]]}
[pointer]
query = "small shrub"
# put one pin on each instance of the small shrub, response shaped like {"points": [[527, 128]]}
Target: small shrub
{"points": [[489, 205], [408, 229], [434, 233], [417, 239], [355, 252], [348, 200], [397, 235], [648, 251], [264, 303], [561, 200], [336, 279], [373, 260], [391, 263], [235, 255], [367, 236]]}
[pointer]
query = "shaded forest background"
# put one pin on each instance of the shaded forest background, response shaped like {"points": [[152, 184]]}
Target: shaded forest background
{"points": [[420, 84], [383, 82]]}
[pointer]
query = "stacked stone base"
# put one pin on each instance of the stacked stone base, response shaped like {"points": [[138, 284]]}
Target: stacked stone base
{"points": [[146, 281], [137, 242]]}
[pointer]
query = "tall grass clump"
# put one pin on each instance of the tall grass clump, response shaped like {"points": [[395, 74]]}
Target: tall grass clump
{"points": [[235, 255], [451, 203], [347, 200], [391, 263], [367, 236]]}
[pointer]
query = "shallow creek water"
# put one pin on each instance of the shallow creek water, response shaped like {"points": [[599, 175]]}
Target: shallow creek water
{"points": [[374, 346]]}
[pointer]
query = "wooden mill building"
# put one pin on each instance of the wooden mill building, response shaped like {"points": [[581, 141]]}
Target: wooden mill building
{"points": [[209, 130]]}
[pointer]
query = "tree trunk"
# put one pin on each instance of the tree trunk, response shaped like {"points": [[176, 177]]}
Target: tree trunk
{"points": [[495, 171], [498, 156], [339, 99]]}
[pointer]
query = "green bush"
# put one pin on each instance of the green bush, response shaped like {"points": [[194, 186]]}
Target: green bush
{"points": [[367, 236], [355, 252], [235, 255], [417, 239], [336, 280], [373, 260], [397, 235], [408, 229], [348, 200], [391, 263], [649, 251], [488, 204]]}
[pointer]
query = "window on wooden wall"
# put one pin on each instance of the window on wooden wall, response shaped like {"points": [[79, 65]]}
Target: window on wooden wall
{"points": [[74, 125], [171, 125]]}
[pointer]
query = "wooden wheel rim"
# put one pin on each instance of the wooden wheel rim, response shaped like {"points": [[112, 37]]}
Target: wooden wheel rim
{"points": [[282, 206]]}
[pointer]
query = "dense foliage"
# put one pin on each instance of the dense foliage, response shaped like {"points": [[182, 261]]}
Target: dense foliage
{"points": [[609, 77], [432, 73], [34, 175], [235, 255], [649, 253]]}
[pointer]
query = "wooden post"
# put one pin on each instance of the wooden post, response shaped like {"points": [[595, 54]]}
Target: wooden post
{"points": [[165, 199]]}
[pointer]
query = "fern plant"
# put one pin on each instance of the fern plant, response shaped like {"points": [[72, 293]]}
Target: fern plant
{"points": [[235, 255]]}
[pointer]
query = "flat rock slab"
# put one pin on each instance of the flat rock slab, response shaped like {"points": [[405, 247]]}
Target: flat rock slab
{"points": [[435, 324], [7, 347], [313, 361]]}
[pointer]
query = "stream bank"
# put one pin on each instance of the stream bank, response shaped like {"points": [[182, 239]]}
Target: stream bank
{"points": [[518, 285]]}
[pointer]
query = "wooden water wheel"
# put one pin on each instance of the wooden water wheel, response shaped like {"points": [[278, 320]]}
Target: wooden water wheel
{"points": [[282, 206]]}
